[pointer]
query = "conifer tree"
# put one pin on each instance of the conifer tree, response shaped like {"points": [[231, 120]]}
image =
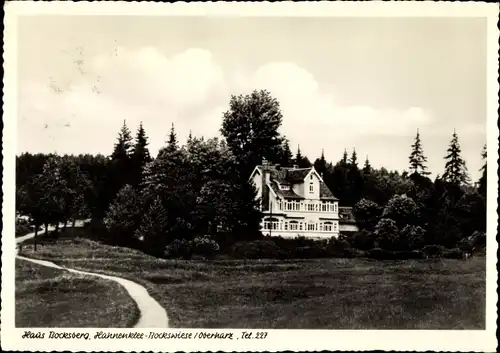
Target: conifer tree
{"points": [[417, 158], [123, 147], [455, 169], [140, 155], [344, 157], [367, 168], [298, 157], [287, 157], [172, 139], [320, 163], [482, 180], [354, 159]]}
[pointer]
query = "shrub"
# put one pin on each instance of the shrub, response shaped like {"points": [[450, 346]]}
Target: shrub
{"points": [[433, 250], [179, 249], [310, 252], [257, 249], [367, 213], [401, 209], [412, 236], [205, 246], [387, 234], [380, 254], [23, 226], [476, 240], [336, 247], [352, 253], [363, 240], [453, 254]]}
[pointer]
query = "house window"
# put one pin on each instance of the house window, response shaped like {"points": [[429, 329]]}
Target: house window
{"points": [[323, 207], [310, 226], [294, 225], [286, 225], [311, 188], [328, 226], [321, 227], [335, 226], [300, 226]]}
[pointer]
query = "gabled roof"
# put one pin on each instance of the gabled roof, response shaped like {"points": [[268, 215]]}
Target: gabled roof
{"points": [[290, 176]]}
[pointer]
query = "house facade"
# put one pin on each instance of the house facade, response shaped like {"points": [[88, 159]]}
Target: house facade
{"points": [[295, 202]]}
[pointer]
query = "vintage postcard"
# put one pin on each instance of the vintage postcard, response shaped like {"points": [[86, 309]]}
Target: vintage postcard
{"points": [[250, 176]]}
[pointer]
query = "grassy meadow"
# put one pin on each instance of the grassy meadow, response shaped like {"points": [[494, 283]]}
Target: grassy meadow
{"points": [[292, 294], [49, 297]]}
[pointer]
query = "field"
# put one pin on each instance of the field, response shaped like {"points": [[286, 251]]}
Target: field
{"points": [[294, 294], [48, 297]]}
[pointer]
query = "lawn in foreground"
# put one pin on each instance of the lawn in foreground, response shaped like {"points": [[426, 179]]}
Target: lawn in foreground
{"points": [[49, 297], [299, 294]]}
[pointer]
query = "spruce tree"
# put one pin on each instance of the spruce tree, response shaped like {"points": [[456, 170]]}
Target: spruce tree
{"points": [[320, 163], [287, 157], [354, 159], [483, 179], [123, 147], [140, 155], [455, 170], [344, 158], [367, 168], [298, 157], [417, 158], [172, 139]]}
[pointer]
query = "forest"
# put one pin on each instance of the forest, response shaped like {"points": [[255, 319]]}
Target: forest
{"points": [[195, 198]]}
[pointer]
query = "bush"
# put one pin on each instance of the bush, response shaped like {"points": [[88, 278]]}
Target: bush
{"points": [[387, 234], [352, 253], [380, 254], [476, 241], [179, 249], [23, 227], [433, 250], [367, 213], [205, 246], [363, 240], [257, 249], [412, 236], [453, 254], [336, 247], [310, 252]]}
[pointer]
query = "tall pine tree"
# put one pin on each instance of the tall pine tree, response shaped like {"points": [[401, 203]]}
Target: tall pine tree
{"points": [[320, 163], [417, 158], [140, 155], [367, 168], [287, 156], [123, 147], [354, 159], [455, 170], [344, 158]]}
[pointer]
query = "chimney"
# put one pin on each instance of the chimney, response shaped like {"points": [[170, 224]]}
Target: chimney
{"points": [[265, 179]]}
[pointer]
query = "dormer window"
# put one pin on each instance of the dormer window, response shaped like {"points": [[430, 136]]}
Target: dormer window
{"points": [[284, 187], [311, 188]]}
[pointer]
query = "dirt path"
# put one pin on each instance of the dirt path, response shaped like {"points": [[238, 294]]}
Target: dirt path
{"points": [[153, 315]]}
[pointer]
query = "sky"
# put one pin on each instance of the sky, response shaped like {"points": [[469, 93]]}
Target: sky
{"points": [[363, 83]]}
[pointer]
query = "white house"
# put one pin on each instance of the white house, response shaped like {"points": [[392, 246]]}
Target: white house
{"points": [[295, 202]]}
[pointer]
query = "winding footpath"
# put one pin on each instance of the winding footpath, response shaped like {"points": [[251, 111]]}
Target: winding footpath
{"points": [[152, 314]]}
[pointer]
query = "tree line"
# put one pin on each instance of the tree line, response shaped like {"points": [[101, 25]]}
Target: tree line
{"points": [[198, 194]]}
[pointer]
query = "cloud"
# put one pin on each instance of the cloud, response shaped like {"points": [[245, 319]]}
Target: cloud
{"points": [[136, 85], [192, 90]]}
